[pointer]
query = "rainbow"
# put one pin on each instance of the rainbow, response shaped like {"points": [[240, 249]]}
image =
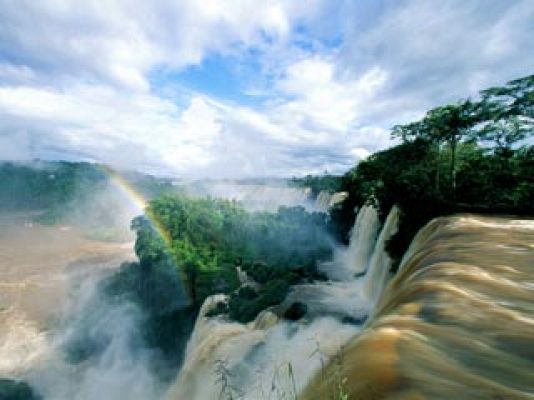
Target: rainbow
{"points": [[138, 200]]}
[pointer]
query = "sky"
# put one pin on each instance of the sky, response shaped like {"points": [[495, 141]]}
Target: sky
{"points": [[242, 88]]}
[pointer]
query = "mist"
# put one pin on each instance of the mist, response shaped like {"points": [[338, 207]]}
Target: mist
{"points": [[95, 324], [96, 349]]}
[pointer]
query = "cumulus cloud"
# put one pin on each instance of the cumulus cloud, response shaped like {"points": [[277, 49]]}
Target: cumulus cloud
{"points": [[107, 125], [101, 80], [440, 52], [119, 41]]}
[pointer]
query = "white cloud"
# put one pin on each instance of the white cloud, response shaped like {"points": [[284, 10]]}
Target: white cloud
{"points": [[76, 78], [323, 100], [437, 52], [103, 122], [120, 41]]}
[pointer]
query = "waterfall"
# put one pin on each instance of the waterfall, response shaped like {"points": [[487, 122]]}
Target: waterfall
{"points": [[454, 323], [322, 202], [325, 200], [380, 263], [354, 259], [254, 358], [256, 355]]}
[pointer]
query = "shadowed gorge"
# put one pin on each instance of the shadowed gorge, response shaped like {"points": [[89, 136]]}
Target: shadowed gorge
{"points": [[455, 322]]}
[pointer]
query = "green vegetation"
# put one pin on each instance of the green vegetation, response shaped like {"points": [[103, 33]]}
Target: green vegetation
{"points": [[16, 390], [44, 185], [189, 249], [472, 156], [169, 317], [318, 183], [74, 193], [208, 239], [59, 187]]}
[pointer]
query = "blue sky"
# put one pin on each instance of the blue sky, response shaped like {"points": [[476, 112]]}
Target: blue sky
{"points": [[242, 87]]}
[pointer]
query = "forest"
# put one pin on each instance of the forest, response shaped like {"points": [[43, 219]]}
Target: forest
{"points": [[470, 156], [475, 155]]}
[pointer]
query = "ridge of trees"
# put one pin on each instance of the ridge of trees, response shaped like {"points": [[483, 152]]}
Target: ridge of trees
{"points": [[475, 155]]}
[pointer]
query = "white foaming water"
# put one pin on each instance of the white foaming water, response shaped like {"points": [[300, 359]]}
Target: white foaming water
{"points": [[272, 358], [22, 343], [325, 200], [120, 365], [49, 297], [257, 356], [354, 259], [380, 263], [322, 201]]}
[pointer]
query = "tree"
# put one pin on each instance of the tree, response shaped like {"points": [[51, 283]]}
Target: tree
{"points": [[516, 98], [508, 114], [447, 124], [451, 124], [504, 133]]}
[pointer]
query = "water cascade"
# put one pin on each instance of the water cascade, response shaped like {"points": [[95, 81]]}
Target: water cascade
{"points": [[380, 263], [325, 200], [454, 323], [322, 201], [354, 259], [253, 361]]}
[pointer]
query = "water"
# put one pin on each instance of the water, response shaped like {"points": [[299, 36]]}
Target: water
{"points": [[267, 358], [380, 262], [354, 259], [325, 200], [50, 297], [455, 323], [256, 197], [272, 358]]}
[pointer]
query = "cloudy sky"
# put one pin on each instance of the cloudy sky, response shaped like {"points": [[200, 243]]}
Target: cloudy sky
{"points": [[242, 87]]}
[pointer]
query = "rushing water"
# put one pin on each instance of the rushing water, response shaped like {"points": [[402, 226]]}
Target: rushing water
{"points": [[272, 358], [354, 259], [380, 263], [457, 321], [325, 200], [49, 297]]}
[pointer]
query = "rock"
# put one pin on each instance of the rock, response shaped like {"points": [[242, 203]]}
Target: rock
{"points": [[296, 311]]}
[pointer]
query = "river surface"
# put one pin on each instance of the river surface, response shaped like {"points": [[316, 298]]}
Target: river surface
{"points": [[38, 265], [456, 321]]}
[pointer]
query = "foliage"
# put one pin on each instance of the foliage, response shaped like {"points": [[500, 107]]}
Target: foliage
{"points": [[246, 304], [296, 311], [43, 185], [169, 317], [207, 239], [471, 156], [60, 188], [16, 390], [318, 183]]}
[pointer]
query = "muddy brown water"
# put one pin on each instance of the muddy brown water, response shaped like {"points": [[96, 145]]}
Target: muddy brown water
{"points": [[457, 321], [37, 265]]}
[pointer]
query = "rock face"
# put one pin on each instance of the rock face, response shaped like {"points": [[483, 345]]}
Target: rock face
{"points": [[456, 322]]}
